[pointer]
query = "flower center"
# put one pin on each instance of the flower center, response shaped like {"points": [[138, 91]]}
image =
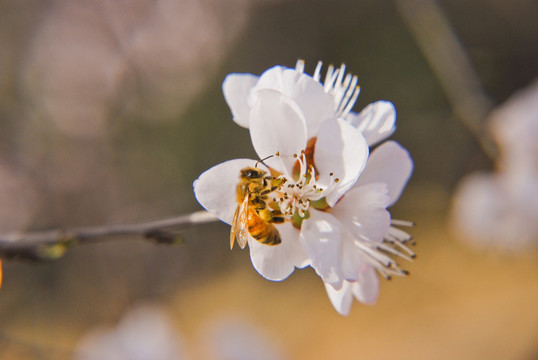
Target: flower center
{"points": [[296, 193]]}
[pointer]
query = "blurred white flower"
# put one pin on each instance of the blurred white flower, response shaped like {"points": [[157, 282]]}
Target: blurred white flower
{"points": [[486, 213], [144, 333], [515, 128], [500, 210], [89, 63], [237, 339], [331, 211]]}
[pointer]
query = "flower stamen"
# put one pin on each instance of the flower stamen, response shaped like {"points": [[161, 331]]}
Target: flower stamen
{"points": [[296, 194], [376, 253], [344, 89]]}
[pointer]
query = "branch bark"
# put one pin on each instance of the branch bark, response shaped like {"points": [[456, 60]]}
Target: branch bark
{"points": [[163, 231], [451, 65]]}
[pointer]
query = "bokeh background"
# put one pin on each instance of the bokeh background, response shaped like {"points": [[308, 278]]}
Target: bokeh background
{"points": [[110, 109]]}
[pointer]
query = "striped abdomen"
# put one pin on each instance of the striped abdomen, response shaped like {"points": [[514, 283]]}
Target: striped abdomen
{"points": [[264, 232]]}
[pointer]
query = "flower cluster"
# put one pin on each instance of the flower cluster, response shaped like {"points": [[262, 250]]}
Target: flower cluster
{"points": [[328, 192]]}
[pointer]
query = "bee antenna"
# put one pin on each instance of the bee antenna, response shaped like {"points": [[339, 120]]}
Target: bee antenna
{"points": [[262, 160]]}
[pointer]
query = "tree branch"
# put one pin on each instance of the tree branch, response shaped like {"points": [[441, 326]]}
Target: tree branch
{"points": [[27, 244], [451, 65]]}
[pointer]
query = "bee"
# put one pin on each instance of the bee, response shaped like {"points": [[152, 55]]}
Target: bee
{"points": [[253, 217]]}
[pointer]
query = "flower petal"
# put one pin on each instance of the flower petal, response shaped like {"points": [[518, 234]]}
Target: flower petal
{"points": [[315, 103], [352, 258], [277, 125], [366, 288], [363, 212], [342, 298], [376, 121], [215, 189], [278, 262], [389, 163], [340, 149], [236, 88], [322, 238]]}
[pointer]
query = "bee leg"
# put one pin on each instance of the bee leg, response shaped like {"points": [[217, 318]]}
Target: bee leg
{"points": [[265, 214], [266, 179], [258, 204]]}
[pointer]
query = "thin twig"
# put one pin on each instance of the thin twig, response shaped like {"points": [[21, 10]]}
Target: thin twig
{"points": [[450, 63], [160, 230]]}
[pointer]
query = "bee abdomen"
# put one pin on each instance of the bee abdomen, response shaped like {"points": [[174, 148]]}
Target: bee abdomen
{"points": [[272, 239], [265, 234]]}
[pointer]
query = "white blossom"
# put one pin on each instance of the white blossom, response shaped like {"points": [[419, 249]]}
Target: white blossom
{"points": [[332, 197]]}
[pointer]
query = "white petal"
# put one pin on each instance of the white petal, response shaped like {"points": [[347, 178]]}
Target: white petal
{"points": [[315, 103], [391, 164], [342, 298], [322, 238], [340, 149], [278, 262], [363, 211], [352, 258], [215, 189], [236, 88], [277, 125], [363, 215], [366, 288], [376, 121]]}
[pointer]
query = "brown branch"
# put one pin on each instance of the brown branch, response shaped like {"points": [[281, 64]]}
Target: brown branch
{"points": [[27, 244], [451, 65]]}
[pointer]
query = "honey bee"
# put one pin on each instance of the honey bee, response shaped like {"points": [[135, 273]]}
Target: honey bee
{"points": [[253, 217]]}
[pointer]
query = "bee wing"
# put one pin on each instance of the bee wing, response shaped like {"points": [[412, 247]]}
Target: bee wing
{"points": [[243, 234], [240, 225], [233, 231]]}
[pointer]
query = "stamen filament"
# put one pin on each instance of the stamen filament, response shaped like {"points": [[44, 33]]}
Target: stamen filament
{"points": [[299, 66], [403, 223], [317, 72]]}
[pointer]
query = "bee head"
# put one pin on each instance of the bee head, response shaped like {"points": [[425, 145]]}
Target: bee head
{"points": [[252, 173]]}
